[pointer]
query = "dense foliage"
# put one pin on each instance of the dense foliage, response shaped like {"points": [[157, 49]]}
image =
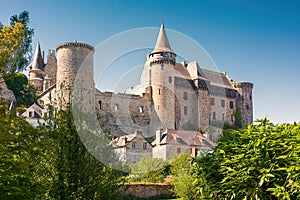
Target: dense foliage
{"points": [[258, 162], [15, 44], [50, 162], [149, 170], [19, 149], [181, 170], [25, 93]]}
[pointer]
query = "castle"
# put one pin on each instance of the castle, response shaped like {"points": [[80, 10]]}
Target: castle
{"points": [[170, 95]]}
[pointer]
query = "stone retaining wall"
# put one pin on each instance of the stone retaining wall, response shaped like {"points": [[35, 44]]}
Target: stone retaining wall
{"points": [[146, 190]]}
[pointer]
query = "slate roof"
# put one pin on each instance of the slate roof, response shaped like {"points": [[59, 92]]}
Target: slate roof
{"points": [[215, 78], [162, 42], [38, 61], [119, 140], [183, 137]]}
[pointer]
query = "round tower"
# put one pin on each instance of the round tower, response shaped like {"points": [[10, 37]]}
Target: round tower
{"points": [[162, 61], [75, 72], [245, 101]]}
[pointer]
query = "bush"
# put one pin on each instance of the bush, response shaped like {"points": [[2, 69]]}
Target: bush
{"points": [[148, 170], [258, 162]]}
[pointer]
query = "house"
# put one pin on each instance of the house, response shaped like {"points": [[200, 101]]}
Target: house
{"points": [[172, 142], [131, 148], [35, 115]]}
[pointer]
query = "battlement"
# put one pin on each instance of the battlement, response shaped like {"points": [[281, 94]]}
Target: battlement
{"points": [[51, 52], [243, 84], [74, 44]]}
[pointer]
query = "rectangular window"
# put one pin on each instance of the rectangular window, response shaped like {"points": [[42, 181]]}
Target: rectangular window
{"points": [[100, 105], [178, 150], [133, 158], [232, 118], [185, 110], [133, 145], [162, 67], [223, 103], [159, 91], [144, 145], [30, 113], [212, 101], [185, 96], [231, 104], [223, 117], [214, 115], [170, 79]]}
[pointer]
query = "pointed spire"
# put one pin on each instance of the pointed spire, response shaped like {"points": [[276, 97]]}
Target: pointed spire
{"points": [[162, 42], [38, 61]]}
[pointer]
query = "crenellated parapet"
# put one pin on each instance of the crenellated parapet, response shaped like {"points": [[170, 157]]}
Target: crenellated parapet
{"points": [[75, 44]]}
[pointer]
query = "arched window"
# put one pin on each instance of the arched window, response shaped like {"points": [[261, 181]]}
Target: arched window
{"points": [[116, 107], [141, 109]]}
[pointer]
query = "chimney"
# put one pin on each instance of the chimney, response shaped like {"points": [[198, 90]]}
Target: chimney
{"points": [[158, 137], [138, 132], [124, 141], [194, 152]]}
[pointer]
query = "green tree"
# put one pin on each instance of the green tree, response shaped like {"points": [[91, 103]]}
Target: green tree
{"points": [[258, 162], [181, 170], [19, 150], [79, 175], [15, 44], [25, 93], [149, 170]]}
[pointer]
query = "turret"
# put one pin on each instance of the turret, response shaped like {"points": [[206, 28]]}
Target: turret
{"points": [[162, 62], [36, 73], [74, 63], [245, 101]]}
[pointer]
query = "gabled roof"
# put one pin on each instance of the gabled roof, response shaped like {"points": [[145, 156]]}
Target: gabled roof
{"points": [[162, 42], [120, 141], [38, 61], [215, 78], [182, 137], [38, 111]]}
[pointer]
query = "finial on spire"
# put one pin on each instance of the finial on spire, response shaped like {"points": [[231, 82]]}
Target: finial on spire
{"points": [[162, 20]]}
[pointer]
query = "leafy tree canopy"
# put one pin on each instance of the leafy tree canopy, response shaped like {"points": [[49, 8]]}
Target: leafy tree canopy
{"points": [[15, 44], [257, 162]]}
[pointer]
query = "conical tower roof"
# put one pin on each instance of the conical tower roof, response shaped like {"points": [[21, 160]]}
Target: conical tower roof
{"points": [[38, 61], [162, 42]]}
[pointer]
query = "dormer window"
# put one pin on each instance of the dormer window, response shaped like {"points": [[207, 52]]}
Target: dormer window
{"points": [[31, 114]]}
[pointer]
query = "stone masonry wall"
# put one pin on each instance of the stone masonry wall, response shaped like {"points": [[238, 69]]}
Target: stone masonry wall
{"points": [[147, 190], [123, 113]]}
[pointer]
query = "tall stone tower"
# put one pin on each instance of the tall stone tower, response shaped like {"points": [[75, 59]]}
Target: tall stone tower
{"points": [[75, 72], [162, 62], [245, 101]]}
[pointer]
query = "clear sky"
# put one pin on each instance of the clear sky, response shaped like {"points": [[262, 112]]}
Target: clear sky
{"points": [[251, 40]]}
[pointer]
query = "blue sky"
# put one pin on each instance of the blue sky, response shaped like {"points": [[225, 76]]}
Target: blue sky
{"points": [[256, 41]]}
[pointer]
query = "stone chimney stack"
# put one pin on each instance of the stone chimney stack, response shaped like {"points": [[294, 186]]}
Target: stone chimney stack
{"points": [[158, 137]]}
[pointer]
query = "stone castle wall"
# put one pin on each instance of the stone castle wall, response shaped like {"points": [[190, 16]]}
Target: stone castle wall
{"points": [[186, 110], [124, 113], [143, 190], [50, 68]]}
